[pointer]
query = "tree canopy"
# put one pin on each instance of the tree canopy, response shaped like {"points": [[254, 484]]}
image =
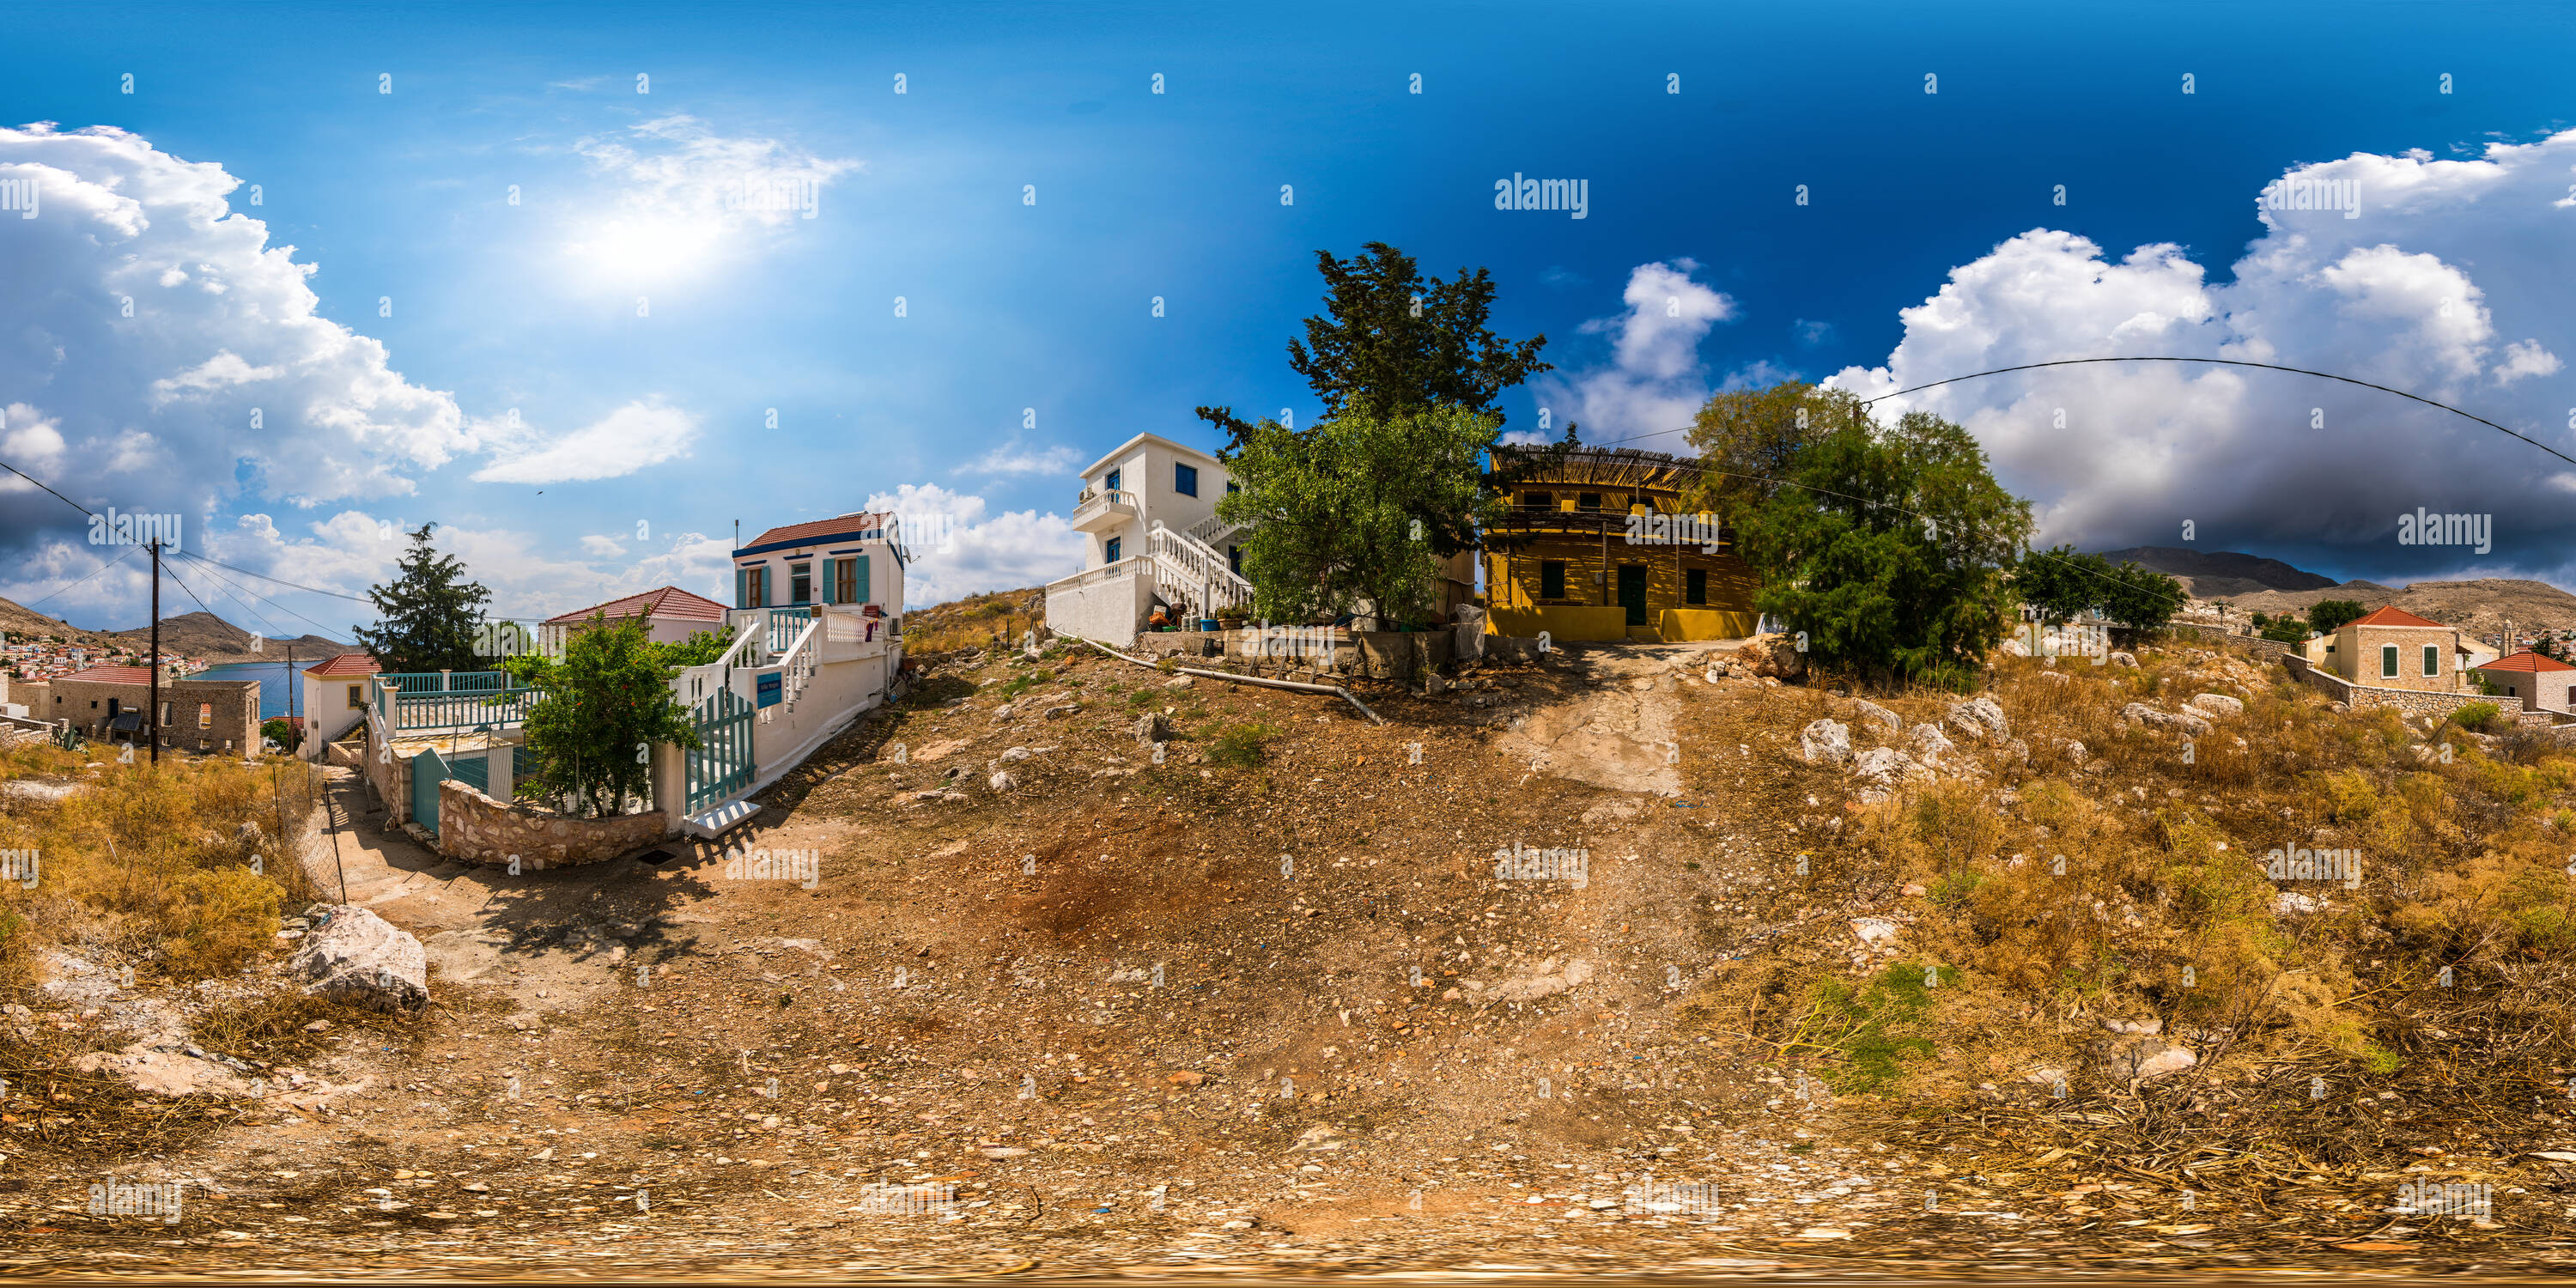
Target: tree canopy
{"points": [[427, 615], [1887, 548], [606, 701], [1747, 439], [1340, 508]]}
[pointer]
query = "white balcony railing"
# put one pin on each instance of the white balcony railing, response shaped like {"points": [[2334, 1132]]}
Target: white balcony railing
{"points": [[1096, 503]]}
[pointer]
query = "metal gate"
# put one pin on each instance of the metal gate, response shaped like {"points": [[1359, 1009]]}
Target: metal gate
{"points": [[720, 765], [428, 770], [474, 772]]}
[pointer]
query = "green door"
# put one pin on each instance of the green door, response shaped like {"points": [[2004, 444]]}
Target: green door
{"points": [[1632, 592]]}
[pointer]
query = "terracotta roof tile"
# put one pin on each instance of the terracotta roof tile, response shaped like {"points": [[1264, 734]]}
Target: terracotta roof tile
{"points": [[112, 675], [2392, 615], [2525, 660], [352, 663], [668, 601], [847, 524]]}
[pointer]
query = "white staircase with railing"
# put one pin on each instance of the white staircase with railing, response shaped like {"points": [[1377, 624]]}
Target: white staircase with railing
{"points": [[1190, 573], [1212, 531]]}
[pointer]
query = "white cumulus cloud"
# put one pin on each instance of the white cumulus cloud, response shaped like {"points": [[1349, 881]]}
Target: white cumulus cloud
{"points": [[1654, 379], [2449, 283], [980, 551], [149, 325], [639, 434]]}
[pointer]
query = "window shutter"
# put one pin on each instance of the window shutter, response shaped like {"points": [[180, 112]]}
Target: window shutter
{"points": [[825, 595], [859, 580], [741, 588]]}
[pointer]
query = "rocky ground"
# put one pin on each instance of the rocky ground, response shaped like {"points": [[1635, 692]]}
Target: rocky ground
{"points": [[993, 985]]}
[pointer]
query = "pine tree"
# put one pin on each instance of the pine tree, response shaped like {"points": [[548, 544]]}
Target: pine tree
{"points": [[428, 615]]}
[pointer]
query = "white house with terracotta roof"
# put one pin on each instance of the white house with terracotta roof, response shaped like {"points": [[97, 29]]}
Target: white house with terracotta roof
{"points": [[818, 640], [2539, 683], [1148, 509], [670, 616], [337, 692]]}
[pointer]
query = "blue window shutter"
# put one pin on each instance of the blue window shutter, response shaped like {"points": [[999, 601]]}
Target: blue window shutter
{"points": [[742, 588], [825, 595], [859, 580]]}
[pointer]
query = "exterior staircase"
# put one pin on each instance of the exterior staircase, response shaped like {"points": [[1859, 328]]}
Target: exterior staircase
{"points": [[1188, 572]]}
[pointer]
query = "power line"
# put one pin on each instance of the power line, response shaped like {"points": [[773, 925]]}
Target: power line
{"points": [[235, 591], [4, 465], [262, 598], [2235, 362], [2219, 362], [282, 582], [129, 553]]}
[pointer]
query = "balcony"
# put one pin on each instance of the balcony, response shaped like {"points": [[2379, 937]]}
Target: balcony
{"points": [[415, 703], [1098, 510]]}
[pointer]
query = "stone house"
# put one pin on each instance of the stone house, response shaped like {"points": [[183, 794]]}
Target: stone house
{"points": [[2390, 648], [2538, 683], [205, 716]]}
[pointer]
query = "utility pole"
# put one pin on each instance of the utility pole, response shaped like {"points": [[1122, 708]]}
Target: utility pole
{"points": [[152, 713]]}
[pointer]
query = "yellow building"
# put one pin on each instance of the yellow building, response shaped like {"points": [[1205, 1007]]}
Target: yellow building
{"points": [[1594, 547]]}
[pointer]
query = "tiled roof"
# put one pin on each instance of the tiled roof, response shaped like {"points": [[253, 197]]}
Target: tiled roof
{"points": [[345, 664], [112, 675], [2392, 615], [669, 601], [846, 525], [2526, 661]]}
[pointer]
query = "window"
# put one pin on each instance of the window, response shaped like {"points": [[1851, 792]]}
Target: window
{"points": [[1109, 552], [800, 583], [1185, 479], [2432, 659], [751, 586], [2388, 662], [357, 697], [1234, 559], [850, 581], [1551, 579], [1588, 501], [1538, 500], [1695, 586], [205, 715], [1109, 481]]}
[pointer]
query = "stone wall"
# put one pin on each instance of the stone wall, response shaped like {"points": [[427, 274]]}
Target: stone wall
{"points": [[2268, 650], [2362, 697], [228, 710], [474, 828]]}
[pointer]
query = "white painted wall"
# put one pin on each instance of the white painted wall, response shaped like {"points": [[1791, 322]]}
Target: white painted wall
{"points": [[1147, 472], [326, 710], [1109, 611], [839, 691]]}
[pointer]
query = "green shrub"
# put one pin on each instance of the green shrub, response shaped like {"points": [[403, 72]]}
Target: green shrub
{"points": [[2477, 717], [1866, 1027], [1240, 745]]}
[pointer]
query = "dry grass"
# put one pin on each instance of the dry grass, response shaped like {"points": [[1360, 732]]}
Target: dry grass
{"points": [[179, 869], [2162, 910]]}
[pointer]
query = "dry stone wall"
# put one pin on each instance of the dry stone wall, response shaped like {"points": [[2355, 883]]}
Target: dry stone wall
{"points": [[475, 828]]}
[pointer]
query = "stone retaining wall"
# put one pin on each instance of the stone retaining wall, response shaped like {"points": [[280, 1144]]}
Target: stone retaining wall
{"points": [[2362, 697], [475, 828], [2268, 650]]}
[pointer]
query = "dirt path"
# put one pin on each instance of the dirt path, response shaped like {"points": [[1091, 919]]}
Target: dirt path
{"points": [[1619, 736]]}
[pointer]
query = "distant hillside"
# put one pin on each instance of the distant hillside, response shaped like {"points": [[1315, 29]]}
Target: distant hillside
{"points": [[202, 634], [2220, 574], [2480, 607], [20, 623]]}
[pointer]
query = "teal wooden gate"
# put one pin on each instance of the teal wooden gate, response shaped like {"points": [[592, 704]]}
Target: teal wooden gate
{"points": [[428, 770], [720, 765]]}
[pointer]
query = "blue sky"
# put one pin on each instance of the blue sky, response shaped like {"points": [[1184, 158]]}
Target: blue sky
{"points": [[1042, 311]]}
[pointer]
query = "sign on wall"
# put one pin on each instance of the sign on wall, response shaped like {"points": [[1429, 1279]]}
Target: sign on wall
{"points": [[769, 689]]}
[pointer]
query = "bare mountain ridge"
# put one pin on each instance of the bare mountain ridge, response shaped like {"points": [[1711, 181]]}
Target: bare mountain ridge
{"points": [[192, 634], [2214, 574]]}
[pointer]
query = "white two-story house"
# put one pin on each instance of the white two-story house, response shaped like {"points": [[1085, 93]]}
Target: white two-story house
{"points": [[1148, 513]]}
